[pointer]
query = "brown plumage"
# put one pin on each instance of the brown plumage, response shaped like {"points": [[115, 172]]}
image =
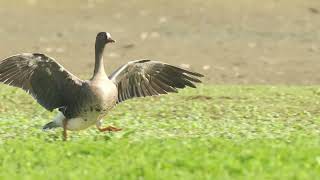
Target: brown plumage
{"points": [[42, 77], [148, 78], [83, 103]]}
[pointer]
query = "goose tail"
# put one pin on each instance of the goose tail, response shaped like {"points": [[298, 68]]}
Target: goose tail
{"points": [[55, 123]]}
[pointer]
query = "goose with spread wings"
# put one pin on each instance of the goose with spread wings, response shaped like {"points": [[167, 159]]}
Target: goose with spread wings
{"points": [[83, 103]]}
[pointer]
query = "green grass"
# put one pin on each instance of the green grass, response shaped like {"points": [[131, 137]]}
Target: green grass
{"points": [[213, 132]]}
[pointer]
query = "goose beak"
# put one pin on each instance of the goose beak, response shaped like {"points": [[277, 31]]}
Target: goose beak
{"points": [[111, 40]]}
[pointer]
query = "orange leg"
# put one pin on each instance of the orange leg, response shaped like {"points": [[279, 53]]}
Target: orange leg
{"points": [[109, 129], [65, 135]]}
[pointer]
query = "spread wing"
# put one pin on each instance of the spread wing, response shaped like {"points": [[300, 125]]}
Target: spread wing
{"points": [[41, 76], [148, 78]]}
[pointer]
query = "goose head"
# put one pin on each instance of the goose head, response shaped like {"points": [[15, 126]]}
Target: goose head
{"points": [[104, 38]]}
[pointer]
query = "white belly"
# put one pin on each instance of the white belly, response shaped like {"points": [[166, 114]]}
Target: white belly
{"points": [[84, 121], [104, 97], [79, 123]]}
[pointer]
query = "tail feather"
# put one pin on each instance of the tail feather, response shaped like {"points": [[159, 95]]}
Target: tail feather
{"points": [[56, 122], [50, 125]]}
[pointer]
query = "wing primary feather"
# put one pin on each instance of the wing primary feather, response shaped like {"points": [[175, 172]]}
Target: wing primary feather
{"points": [[8, 76], [134, 92], [149, 86], [178, 79], [125, 92], [134, 85], [151, 90], [128, 88], [139, 91], [19, 71], [137, 84], [164, 80], [191, 78], [188, 83], [25, 76], [11, 79], [121, 93], [144, 89], [185, 71], [9, 83], [129, 92], [147, 78], [7, 69], [164, 86], [174, 82], [158, 88]]}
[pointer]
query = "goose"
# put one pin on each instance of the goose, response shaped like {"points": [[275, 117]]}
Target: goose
{"points": [[83, 103]]}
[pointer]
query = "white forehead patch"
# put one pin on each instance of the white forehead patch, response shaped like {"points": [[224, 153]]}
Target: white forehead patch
{"points": [[108, 35]]}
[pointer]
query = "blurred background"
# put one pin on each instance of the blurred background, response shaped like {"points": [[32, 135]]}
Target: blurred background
{"points": [[231, 42]]}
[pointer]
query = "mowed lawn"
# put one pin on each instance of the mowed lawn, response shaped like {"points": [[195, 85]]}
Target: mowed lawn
{"points": [[213, 132]]}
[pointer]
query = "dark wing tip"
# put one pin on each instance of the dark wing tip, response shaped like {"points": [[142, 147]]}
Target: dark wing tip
{"points": [[187, 71], [194, 73], [145, 77]]}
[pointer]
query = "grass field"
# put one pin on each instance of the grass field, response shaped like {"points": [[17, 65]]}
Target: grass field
{"points": [[213, 132]]}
